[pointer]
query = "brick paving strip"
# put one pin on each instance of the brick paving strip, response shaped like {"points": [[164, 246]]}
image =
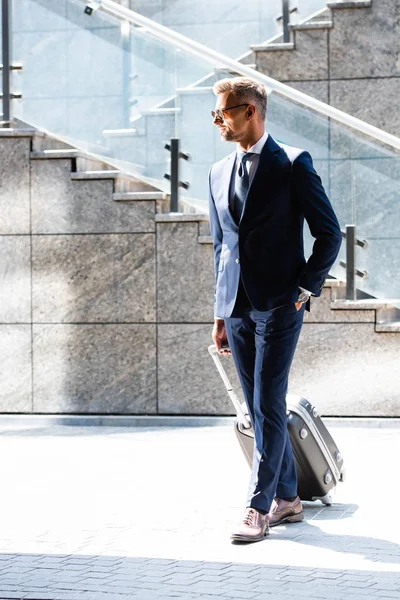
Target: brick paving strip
{"points": [[113, 513]]}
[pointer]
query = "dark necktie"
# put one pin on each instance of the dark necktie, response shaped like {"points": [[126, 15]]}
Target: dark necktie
{"points": [[242, 184]]}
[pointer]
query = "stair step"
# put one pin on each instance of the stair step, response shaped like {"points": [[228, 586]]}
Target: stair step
{"points": [[180, 217], [204, 239], [138, 196], [120, 132], [160, 111], [11, 132], [312, 25], [349, 4], [221, 69], [59, 153], [111, 174], [334, 283], [195, 90], [273, 47], [388, 327], [364, 304]]}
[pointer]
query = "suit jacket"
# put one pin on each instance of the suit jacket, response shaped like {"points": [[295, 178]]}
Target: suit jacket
{"points": [[266, 246]]}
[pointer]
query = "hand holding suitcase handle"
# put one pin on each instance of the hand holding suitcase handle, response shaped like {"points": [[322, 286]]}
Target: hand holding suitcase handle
{"points": [[243, 418], [219, 337]]}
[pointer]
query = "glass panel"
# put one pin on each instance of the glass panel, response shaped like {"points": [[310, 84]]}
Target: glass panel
{"points": [[116, 91], [230, 27]]}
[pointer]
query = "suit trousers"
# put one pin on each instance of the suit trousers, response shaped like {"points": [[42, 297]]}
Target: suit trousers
{"points": [[262, 345]]}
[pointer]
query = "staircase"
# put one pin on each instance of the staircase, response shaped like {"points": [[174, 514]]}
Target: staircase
{"points": [[107, 297]]}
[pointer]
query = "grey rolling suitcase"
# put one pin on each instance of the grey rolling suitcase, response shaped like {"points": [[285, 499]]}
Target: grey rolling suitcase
{"points": [[319, 463]]}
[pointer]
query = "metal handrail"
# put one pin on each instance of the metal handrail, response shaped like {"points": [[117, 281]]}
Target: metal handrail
{"points": [[213, 57]]}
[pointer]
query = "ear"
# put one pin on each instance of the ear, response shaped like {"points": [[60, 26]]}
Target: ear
{"points": [[250, 111]]}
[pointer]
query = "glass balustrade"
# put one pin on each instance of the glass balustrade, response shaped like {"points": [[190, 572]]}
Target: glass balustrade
{"points": [[115, 90], [230, 27]]}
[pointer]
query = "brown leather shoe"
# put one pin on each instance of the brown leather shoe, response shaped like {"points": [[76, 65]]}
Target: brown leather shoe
{"points": [[253, 528], [283, 511]]}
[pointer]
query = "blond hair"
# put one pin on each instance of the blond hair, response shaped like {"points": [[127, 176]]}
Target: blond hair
{"points": [[244, 88]]}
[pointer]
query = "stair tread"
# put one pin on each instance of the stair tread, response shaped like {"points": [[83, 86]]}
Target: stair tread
{"points": [[137, 196], [388, 327], [273, 47], [180, 217], [204, 239], [313, 25], [349, 4], [60, 153], [106, 174], [364, 304]]}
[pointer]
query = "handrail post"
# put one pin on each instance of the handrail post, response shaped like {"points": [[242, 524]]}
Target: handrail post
{"points": [[350, 262], [6, 50], [173, 177], [285, 20], [174, 174]]}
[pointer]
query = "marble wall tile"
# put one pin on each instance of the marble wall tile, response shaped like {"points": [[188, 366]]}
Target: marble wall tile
{"points": [[94, 369], [371, 100], [14, 189], [93, 278], [185, 275], [15, 369], [362, 41], [188, 382], [15, 278], [308, 60], [316, 89], [348, 370], [60, 205]]}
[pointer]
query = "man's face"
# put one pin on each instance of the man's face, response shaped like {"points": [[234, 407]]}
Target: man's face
{"points": [[234, 125]]}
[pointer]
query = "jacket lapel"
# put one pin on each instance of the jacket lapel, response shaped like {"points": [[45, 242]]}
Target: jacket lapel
{"points": [[268, 157], [226, 178]]}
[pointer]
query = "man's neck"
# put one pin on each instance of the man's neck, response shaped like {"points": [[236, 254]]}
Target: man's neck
{"points": [[246, 144]]}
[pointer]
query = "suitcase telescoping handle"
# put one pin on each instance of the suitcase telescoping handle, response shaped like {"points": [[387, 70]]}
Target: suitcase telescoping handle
{"points": [[242, 417]]}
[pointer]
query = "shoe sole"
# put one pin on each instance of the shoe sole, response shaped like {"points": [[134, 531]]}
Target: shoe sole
{"points": [[244, 538], [290, 519]]}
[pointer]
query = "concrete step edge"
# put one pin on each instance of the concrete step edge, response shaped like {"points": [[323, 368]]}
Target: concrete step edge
{"points": [[337, 4], [312, 25], [139, 196], [15, 132], [204, 239], [364, 304], [111, 174], [194, 90], [160, 112], [53, 154], [334, 283], [388, 327], [272, 47], [180, 217]]}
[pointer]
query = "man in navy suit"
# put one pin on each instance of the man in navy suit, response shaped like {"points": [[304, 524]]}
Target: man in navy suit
{"points": [[259, 197]]}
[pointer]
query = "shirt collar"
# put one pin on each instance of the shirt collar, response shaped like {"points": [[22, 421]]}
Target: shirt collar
{"points": [[258, 146]]}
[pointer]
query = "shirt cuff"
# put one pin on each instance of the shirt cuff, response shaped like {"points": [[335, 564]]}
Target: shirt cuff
{"points": [[305, 291]]}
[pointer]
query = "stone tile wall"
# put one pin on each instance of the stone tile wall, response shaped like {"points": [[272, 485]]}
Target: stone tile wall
{"points": [[104, 316], [354, 66]]}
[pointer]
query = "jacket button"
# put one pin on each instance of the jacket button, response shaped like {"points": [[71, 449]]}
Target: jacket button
{"points": [[237, 261]]}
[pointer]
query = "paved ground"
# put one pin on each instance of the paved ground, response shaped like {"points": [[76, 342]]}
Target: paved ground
{"points": [[111, 513]]}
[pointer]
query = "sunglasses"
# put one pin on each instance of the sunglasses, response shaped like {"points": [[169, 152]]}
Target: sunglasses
{"points": [[219, 113]]}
